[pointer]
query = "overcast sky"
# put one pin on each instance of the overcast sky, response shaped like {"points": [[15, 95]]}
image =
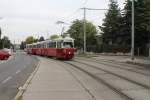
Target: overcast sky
{"points": [[22, 18]]}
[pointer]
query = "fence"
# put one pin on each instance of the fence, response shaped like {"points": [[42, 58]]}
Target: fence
{"points": [[139, 51]]}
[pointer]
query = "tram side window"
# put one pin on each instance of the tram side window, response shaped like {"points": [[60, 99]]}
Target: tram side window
{"points": [[58, 44], [51, 45], [41, 45], [68, 45], [54, 45], [45, 45], [38, 46]]}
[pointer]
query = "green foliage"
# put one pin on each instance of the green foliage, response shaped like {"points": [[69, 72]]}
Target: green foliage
{"points": [[55, 36], [76, 32], [0, 33], [142, 19], [117, 25], [0, 39], [35, 40], [22, 45], [29, 40], [5, 42], [111, 25], [41, 39]]}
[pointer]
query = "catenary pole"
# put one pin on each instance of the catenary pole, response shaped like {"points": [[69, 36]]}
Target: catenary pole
{"points": [[84, 26], [132, 36], [84, 30]]}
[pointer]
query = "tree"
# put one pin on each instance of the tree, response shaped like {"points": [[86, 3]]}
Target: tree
{"points": [[22, 45], [111, 24], [29, 40], [55, 36], [147, 14], [41, 39], [142, 20], [0, 33], [0, 39], [76, 32], [6, 42], [125, 28], [35, 40], [141, 32]]}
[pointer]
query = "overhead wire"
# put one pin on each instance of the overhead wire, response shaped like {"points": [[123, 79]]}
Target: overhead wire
{"points": [[75, 12], [85, 2], [72, 14]]}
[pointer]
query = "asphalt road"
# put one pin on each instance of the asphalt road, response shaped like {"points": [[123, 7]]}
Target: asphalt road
{"points": [[14, 73]]}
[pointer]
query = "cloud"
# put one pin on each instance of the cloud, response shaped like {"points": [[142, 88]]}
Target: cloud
{"points": [[38, 17]]}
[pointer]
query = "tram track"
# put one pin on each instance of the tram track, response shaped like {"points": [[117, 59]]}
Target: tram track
{"points": [[120, 76], [128, 92], [116, 90], [122, 64], [110, 64]]}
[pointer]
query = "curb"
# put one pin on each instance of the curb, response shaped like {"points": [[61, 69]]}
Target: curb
{"points": [[25, 86]]}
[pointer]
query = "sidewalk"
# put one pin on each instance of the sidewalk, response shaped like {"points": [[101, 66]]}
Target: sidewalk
{"points": [[53, 82]]}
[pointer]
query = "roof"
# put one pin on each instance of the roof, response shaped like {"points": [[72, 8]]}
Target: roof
{"points": [[67, 38]]}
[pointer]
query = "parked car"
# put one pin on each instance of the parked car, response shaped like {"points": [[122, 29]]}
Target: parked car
{"points": [[4, 55]]}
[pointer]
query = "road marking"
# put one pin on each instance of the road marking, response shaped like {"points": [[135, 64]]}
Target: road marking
{"points": [[7, 79], [18, 71]]}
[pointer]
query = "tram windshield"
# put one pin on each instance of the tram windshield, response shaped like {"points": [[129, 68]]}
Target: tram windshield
{"points": [[68, 45]]}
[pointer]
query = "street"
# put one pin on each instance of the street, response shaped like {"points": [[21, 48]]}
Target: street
{"points": [[13, 74]]}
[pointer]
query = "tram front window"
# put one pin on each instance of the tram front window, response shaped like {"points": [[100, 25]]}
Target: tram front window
{"points": [[68, 45]]}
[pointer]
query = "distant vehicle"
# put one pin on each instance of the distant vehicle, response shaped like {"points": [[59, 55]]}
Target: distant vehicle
{"points": [[61, 48], [4, 55], [8, 50]]}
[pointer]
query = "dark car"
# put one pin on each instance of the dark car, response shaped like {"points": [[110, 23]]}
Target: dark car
{"points": [[4, 55]]}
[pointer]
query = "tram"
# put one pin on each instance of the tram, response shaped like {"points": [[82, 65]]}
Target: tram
{"points": [[61, 48]]}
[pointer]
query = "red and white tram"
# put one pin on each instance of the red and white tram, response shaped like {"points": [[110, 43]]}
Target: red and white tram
{"points": [[61, 48]]}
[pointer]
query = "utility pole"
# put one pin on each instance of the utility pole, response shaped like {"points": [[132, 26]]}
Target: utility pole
{"points": [[84, 25], [84, 30], [132, 36], [62, 31]]}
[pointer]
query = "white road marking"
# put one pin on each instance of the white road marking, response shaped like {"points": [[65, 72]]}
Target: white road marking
{"points": [[18, 71], [7, 79]]}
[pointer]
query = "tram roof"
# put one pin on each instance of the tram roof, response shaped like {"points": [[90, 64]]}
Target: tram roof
{"points": [[68, 38]]}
